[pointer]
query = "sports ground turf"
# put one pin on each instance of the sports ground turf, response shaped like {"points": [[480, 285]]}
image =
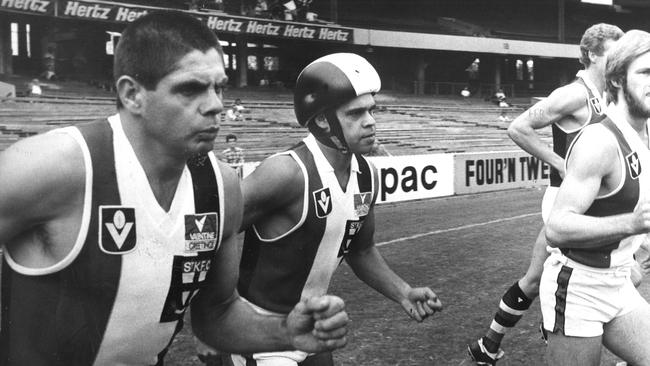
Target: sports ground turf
{"points": [[469, 250]]}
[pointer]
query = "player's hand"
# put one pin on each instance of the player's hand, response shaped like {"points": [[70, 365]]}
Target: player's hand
{"points": [[636, 274], [562, 171], [641, 217], [643, 255], [318, 324], [421, 302]]}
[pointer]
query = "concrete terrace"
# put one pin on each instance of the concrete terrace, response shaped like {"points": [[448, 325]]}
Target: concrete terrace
{"points": [[406, 125]]}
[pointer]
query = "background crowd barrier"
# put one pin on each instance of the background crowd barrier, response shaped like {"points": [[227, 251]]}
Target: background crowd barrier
{"points": [[412, 177]]}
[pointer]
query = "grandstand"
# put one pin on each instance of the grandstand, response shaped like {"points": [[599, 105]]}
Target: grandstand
{"points": [[506, 35], [406, 125]]}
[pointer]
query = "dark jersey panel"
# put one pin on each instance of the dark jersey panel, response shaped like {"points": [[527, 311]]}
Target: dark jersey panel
{"points": [[273, 274], [562, 140], [622, 201], [59, 319]]}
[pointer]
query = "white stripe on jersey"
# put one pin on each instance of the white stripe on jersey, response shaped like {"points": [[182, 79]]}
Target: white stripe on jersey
{"points": [[85, 216], [326, 259], [146, 272]]}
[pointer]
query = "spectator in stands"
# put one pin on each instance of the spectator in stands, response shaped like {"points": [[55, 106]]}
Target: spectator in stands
{"points": [[235, 112], [195, 5], [111, 230], [567, 110], [34, 88], [277, 10], [261, 9], [309, 208], [303, 9], [597, 223], [233, 155], [290, 10], [473, 75], [500, 100], [49, 64]]}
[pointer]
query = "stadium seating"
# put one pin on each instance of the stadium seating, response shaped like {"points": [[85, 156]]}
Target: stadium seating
{"points": [[406, 125]]}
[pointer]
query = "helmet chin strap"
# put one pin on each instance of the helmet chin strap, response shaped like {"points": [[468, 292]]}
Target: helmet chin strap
{"points": [[334, 138]]}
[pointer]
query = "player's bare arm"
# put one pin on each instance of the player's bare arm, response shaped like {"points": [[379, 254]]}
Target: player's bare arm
{"points": [[368, 264], [565, 105], [219, 314], [275, 186], [43, 190], [315, 325], [595, 169]]}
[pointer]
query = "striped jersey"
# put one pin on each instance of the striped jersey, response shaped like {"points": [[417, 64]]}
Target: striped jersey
{"points": [[119, 296], [276, 273], [562, 138], [622, 200]]}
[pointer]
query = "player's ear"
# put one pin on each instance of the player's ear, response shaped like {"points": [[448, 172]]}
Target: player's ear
{"points": [[321, 121], [592, 56], [130, 93]]}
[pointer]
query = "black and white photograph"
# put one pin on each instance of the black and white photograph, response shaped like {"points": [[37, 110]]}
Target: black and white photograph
{"points": [[324, 183]]}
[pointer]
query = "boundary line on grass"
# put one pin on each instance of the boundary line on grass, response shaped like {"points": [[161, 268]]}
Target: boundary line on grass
{"points": [[462, 227]]}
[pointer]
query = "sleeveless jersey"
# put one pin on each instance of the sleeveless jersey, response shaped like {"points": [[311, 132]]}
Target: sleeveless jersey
{"points": [[562, 138], [622, 200], [120, 295], [276, 273]]}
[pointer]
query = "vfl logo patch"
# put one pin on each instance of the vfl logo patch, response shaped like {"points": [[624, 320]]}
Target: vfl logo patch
{"points": [[116, 229], [323, 202], [595, 103], [362, 203], [633, 164], [201, 232]]}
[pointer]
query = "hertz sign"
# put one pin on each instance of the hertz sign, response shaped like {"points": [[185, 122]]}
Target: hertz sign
{"points": [[39, 7], [278, 29], [219, 22]]}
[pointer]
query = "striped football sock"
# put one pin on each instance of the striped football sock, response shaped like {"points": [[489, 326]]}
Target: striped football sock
{"points": [[512, 307]]}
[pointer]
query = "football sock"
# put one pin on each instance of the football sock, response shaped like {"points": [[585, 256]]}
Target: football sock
{"points": [[512, 307]]}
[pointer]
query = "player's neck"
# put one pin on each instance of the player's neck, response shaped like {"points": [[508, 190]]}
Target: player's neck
{"points": [[162, 167], [596, 78], [335, 157]]}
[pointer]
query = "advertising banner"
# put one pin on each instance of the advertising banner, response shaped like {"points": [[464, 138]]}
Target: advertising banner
{"points": [[491, 171], [112, 12], [36, 7], [271, 28], [119, 12], [403, 178]]}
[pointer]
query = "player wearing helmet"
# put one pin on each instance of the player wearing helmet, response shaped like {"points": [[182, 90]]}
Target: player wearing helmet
{"points": [[111, 231], [312, 206]]}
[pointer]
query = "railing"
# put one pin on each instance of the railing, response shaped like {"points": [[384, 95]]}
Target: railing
{"points": [[454, 88], [483, 90]]}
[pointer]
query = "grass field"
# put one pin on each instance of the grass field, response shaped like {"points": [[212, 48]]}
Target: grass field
{"points": [[469, 250]]}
